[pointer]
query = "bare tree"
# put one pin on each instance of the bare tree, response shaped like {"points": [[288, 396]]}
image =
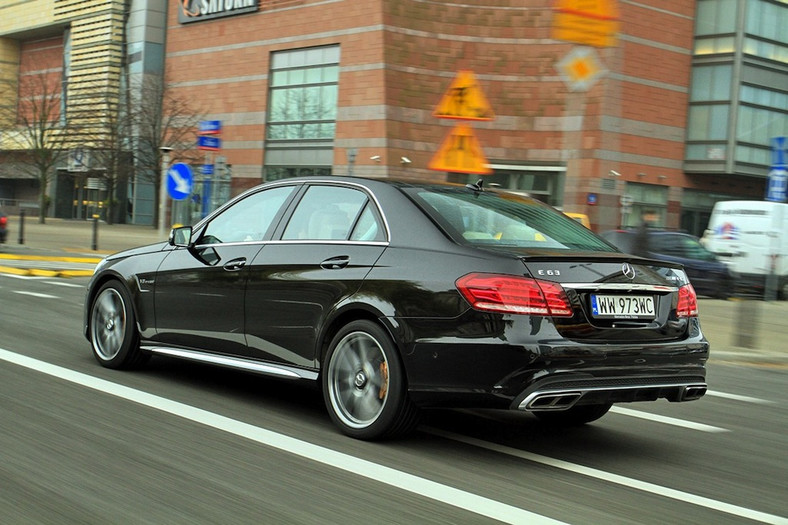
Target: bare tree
{"points": [[125, 135], [107, 134], [161, 120], [36, 128]]}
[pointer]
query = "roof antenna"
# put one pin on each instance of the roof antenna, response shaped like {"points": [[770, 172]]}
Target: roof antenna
{"points": [[477, 186]]}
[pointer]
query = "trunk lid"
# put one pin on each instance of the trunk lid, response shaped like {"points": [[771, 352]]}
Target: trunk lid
{"points": [[616, 298]]}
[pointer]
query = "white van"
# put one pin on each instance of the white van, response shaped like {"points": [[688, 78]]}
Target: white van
{"points": [[752, 237]]}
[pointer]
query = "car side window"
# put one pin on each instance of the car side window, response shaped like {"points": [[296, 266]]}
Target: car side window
{"points": [[326, 213], [369, 227], [247, 220], [667, 244]]}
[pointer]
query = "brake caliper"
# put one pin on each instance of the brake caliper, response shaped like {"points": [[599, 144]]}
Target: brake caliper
{"points": [[384, 384]]}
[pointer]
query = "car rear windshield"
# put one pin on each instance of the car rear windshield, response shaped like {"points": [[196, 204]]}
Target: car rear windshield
{"points": [[492, 218]]}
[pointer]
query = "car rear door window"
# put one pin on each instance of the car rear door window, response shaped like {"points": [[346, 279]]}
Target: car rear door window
{"points": [[328, 212]]}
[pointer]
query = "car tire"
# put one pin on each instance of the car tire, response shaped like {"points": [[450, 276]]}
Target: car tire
{"points": [[575, 416], [364, 384], [113, 328]]}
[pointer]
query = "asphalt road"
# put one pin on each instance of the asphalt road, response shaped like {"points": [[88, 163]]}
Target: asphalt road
{"points": [[181, 443]]}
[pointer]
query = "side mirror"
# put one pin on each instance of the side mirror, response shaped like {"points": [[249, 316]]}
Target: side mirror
{"points": [[181, 237]]}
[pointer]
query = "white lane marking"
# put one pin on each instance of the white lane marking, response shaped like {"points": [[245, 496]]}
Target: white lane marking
{"points": [[590, 472], [36, 294], [386, 475], [23, 277], [737, 397], [66, 284], [667, 420]]}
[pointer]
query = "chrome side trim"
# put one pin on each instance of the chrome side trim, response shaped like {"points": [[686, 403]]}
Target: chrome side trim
{"points": [[234, 362]]}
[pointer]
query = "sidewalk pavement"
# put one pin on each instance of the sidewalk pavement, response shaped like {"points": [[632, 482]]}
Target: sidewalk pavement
{"points": [[740, 331], [66, 248]]}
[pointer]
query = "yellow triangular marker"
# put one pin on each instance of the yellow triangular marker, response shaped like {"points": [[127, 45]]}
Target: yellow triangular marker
{"points": [[464, 100], [460, 152]]}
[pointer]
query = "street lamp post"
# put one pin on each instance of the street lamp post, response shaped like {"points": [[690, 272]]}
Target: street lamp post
{"points": [[165, 165]]}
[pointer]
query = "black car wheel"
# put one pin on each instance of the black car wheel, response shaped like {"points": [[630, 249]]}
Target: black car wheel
{"points": [[113, 331], [575, 416], [364, 384]]}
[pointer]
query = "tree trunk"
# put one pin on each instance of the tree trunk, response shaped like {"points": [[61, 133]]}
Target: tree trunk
{"points": [[42, 202]]}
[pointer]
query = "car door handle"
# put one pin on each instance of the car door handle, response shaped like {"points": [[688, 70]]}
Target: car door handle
{"points": [[235, 264], [335, 263]]}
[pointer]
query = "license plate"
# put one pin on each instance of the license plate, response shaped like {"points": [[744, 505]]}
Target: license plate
{"points": [[623, 306]]}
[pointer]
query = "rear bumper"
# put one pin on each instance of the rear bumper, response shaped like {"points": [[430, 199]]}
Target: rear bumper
{"points": [[559, 393], [541, 377]]}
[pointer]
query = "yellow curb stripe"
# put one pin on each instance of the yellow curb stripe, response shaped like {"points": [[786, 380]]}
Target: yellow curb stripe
{"points": [[37, 272], [87, 260], [76, 273], [14, 271]]}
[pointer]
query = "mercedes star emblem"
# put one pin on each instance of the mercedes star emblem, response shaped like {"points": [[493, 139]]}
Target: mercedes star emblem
{"points": [[628, 270]]}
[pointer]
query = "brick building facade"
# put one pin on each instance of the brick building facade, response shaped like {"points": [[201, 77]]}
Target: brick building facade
{"points": [[335, 87], [396, 60]]}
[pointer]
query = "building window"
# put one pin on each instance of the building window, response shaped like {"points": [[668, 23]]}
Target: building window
{"points": [[715, 17], [302, 112], [764, 97], [647, 198], [303, 97], [767, 20], [715, 45], [758, 126], [708, 122], [286, 172], [711, 83]]}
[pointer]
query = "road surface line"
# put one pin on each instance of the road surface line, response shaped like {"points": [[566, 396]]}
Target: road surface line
{"points": [[737, 397], [667, 420], [386, 475], [35, 294], [590, 472]]}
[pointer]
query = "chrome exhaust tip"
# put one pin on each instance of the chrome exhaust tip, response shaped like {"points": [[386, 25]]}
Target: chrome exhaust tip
{"points": [[550, 401], [693, 392]]}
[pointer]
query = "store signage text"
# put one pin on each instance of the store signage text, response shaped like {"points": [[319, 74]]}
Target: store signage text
{"points": [[198, 10]]}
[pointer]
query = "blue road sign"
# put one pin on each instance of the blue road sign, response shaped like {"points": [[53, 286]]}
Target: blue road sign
{"points": [[179, 181], [778, 185], [207, 169], [210, 127], [779, 151], [777, 188], [209, 143]]}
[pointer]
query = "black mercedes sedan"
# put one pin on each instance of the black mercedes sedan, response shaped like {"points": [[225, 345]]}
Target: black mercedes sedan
{"points": [[395, 296]]}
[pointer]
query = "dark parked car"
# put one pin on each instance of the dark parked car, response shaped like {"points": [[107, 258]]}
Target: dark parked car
{"points": [[3, 226], [708, 275], [396, 296]]}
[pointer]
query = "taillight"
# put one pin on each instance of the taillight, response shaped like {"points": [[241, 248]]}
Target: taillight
{"points": [[688, 302], [3, 220], [512, 294]]}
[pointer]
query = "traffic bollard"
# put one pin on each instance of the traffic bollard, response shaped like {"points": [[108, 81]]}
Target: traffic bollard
{"points": [[94, 246], [22, 227]]}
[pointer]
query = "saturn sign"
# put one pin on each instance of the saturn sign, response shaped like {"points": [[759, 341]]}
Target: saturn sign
{"points": [[198, 10]]}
